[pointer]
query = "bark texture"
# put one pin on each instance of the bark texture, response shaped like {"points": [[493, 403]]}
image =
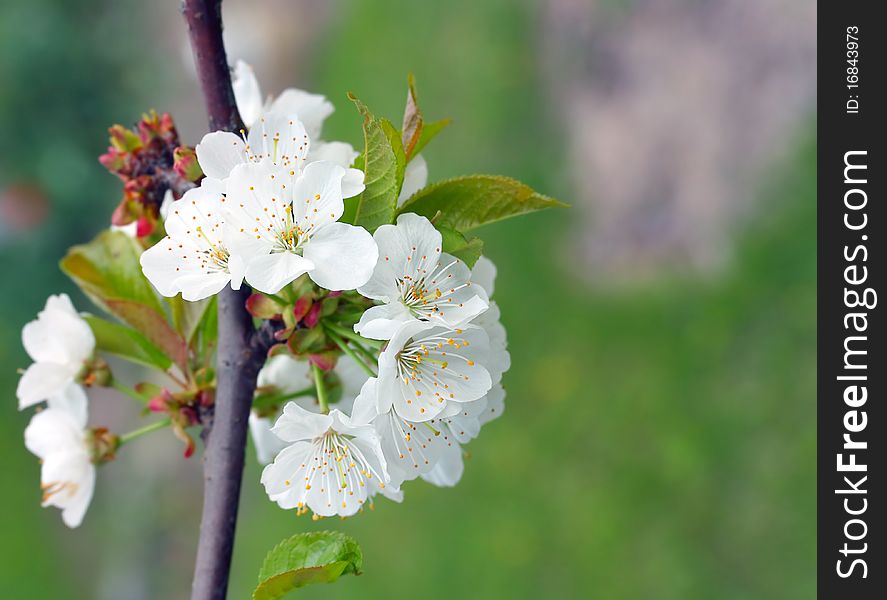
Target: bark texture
{"points": [[241, 350]]}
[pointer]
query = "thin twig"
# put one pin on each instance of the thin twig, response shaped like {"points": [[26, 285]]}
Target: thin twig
{"points": [[240, 351]]}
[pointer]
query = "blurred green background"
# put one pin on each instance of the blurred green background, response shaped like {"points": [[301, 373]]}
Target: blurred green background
{"points": [[658, 440]]}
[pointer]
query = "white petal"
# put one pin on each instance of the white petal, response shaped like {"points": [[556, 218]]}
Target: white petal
{"points": [[484, 274], [312, 109], [415, 177], [352, 377], [70, 478], [269, 273], [449, 468], [343, 256], [296, 424], [381, 322], [280, 477], [61, 302], [78, 503], [195, 288], [366, 404], [317, 196], [58, 334], [42, 381], [406, 250], [267, 444], [285, 374], [51, 431], [340, 153], [352, 183], [410, 448], [73, 401], [495, 405], [247, 93], [498, 360], [219, 152], [279, 139], [424, 367], [257, 209]]}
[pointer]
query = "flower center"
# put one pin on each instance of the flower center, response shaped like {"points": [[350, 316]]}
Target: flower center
{"points": [[423, 293]]}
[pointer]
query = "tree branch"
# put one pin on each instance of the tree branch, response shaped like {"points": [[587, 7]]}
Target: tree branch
{"points": [[240, 351]]}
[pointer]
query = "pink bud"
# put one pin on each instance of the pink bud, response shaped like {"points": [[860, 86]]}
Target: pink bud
{"points": [[157, 404], [313, 316], [301, 308], [144, 227], [325, 361], [186, 163]]}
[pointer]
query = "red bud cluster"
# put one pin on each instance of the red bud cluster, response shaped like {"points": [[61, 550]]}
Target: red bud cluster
{"points": [[149, 160]]}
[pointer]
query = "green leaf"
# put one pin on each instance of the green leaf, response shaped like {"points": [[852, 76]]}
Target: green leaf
{"points": [[127, 343], [378, 202], [107, 269], [413, 122], [464, 203], [465, 249], [400, 159], [429, 132], [313, 557], [186, 316]]}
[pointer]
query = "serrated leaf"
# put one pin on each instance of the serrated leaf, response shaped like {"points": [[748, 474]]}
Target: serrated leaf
{"points": [[429, 132], [154, 326], [413, 122], [127, 343], [465, 203], [305, 558], [377, 203], [107, 269], [465, 249], [400, 159]]}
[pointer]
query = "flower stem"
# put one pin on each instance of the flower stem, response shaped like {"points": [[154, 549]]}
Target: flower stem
{"points": [[321, 389], [350, 335], [128, 437], [127, 391], [344, 347]]}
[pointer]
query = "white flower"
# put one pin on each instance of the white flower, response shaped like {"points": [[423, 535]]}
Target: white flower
{"points": [[198, 257], [430, 449], [292, 228], [332, 465], [495, 405], [285, 132], [60, 342], [286, 375], [58, 436], [312, 109], [424, 367], [416, 281], [484, 274], [415, 177], [499, 361]]}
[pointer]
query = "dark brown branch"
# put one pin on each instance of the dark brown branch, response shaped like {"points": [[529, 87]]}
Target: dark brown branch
{"points": [[241, 351]]}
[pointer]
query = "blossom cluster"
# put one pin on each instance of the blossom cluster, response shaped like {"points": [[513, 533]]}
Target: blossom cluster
{"points": [[388, 350]]}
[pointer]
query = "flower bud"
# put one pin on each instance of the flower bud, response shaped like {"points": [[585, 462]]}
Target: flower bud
{"points": [[185, 163], [325, 361], [313, 316], [103, 444], [144, 227], [263, 307], [95, 372]]}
